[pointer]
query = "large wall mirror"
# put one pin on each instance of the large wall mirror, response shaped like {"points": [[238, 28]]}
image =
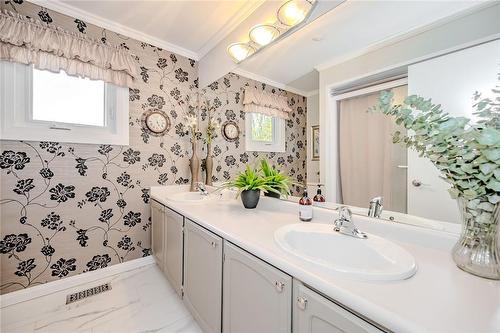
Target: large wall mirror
{"points": [[331, 70]]}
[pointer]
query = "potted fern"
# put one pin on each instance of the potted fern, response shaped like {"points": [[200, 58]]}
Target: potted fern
{"points": [[249, 183], [468, 157], [276, 180]]}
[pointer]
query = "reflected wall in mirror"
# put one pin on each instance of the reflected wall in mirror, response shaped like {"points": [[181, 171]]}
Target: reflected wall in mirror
{"points": [[444, 51]]}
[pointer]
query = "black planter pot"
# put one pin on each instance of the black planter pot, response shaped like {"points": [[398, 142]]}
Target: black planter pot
{"points": [[272, 195], [250, 198]]}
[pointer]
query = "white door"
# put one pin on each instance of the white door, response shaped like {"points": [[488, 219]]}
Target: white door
{"points": [[451, 81]]}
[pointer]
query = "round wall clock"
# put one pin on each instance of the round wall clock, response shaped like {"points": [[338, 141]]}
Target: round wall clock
{"points": [[230, 131], [155, 122]]}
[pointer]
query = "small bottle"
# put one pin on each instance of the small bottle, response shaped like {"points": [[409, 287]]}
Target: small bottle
{"points": [[305, 208], [319, 197]]}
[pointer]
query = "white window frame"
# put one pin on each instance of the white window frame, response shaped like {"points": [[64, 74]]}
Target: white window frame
{"points": [[277, 145], [16, 113]]}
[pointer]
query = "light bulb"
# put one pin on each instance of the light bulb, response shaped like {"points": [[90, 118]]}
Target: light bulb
{"points": [[263, 34], [240, 51], [293, 12]]}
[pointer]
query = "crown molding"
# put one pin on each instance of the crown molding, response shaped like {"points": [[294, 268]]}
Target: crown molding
{"points": [[66, 9], [403, 36], [273, 83]]}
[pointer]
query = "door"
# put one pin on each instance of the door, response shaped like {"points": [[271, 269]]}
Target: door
{"points": [[256, 296], [174, 240], [313, 313], [451, 81], [158, 233], [203, 276]]}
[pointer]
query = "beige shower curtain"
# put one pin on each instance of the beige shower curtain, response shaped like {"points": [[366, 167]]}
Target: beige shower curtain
{"points": [[370, 164]]}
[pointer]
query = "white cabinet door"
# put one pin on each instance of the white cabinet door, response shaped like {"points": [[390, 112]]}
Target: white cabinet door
{"points": [[256, 296], [203, 276], [158, 233], [174, 241], [313, 313]]}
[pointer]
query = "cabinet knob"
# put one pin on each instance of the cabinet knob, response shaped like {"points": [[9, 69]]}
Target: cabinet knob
{"points": [[279, 286], [214, 244], [301, 303]]}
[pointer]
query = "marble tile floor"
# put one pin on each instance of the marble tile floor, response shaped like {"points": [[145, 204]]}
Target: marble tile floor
{"points": [[140, 301]]}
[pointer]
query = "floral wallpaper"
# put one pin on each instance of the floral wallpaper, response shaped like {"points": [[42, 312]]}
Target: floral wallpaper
{"points": [[67, 209], [225, 96]]}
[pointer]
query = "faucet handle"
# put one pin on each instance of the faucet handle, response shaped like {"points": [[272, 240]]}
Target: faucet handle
{"points": [[345, 213]]}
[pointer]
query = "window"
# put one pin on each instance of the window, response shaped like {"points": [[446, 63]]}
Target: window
{"points": [[42, 105], [264, 133]]}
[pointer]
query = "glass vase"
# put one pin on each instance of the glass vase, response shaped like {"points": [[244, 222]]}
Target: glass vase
{"points": [[477, 251]]}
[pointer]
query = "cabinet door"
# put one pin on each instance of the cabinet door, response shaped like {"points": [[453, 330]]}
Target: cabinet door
{"points": [[174, 240], [256, 296], [313, 313], [203, 276], [158, 233]]}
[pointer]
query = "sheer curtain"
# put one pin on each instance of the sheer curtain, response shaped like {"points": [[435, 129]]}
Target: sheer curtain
{"points": [[370, 164]]}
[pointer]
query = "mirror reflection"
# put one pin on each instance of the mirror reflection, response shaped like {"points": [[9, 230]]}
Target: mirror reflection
{"points": [[330, 71]]}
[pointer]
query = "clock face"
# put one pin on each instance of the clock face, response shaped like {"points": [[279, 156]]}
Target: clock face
{"points": [[155, 122], [230, 131]]}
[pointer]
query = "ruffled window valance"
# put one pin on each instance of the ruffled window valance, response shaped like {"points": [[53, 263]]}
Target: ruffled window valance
{"points": [[266, 103], [30, 41]]}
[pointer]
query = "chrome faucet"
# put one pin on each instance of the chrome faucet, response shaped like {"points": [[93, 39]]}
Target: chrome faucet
{"points": [[375, 208], [344, 224], [200, 187]]}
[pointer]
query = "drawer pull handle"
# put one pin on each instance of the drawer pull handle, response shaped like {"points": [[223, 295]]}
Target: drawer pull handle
{"points": [[279, 286], [214, 244], [301, 303]]}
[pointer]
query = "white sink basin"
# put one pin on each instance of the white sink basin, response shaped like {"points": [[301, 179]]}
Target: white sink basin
{"points": [[371, 259], [190, 197]]}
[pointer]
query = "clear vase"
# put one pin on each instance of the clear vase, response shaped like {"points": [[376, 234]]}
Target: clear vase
{"points": [[477, 251]]}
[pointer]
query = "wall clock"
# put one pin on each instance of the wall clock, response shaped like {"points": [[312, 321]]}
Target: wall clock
{"points": [[155, 122], [230, 131]]}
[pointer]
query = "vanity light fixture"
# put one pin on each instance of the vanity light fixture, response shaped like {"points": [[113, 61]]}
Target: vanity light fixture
{"points": [[293, 12], [240, 51], [289, 16], [263, 34]]}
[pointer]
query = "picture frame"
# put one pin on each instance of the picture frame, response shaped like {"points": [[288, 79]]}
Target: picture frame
{"points": [[315, 143]]}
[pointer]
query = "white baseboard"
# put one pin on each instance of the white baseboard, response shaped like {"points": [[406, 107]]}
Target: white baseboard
{"points": [[23, 295]]}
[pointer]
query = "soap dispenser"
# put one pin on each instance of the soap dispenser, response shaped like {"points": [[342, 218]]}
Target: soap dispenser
{"points": [[319, 197], [305, 208]]}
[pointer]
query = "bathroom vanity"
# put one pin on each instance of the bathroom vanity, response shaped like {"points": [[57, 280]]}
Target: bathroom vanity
{"points": [[227, 265]]}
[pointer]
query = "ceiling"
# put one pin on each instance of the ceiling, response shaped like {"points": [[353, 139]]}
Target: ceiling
{"points": [[190, 28], [201, 30]]}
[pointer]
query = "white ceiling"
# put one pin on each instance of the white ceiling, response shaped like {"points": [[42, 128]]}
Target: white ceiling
{"points": [[190, 28], [348, 30]]}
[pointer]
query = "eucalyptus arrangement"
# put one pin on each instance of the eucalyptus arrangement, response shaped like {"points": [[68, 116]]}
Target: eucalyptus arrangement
{"points": [[194, 161], [276, 180], [468, 157], [249, 183]]}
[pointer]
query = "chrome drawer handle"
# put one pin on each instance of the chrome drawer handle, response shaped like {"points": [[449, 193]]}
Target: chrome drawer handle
{"points": [[301, 303], [214, 244], [279, 286]]}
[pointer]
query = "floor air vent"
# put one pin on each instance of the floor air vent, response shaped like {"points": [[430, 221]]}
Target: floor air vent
{"points": [[78, 296]]}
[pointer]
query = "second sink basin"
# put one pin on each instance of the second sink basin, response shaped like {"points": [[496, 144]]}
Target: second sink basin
{"points": [[190, 197], [371, 259]]}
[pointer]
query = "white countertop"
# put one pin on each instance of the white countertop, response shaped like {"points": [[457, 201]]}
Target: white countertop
{"points": [[438, 298]]}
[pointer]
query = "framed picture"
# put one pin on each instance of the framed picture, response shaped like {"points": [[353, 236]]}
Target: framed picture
{"points": [[315, 142]]}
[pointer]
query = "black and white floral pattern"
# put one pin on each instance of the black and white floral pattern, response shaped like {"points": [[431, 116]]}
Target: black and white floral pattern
{"points": [[72, 208]]}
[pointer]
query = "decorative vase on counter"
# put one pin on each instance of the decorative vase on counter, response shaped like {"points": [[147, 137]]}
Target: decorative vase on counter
{"points": [[194, 166], [209, 164], [478, 248], [250, 198]]}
